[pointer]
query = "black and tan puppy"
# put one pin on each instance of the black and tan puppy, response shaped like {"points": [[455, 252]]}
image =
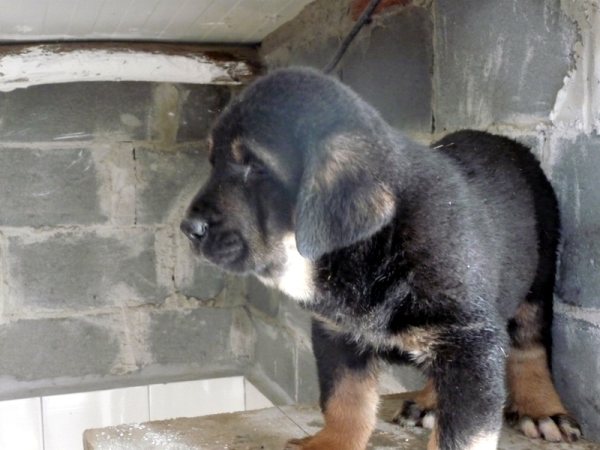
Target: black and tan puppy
{"points": [[443, 257]]}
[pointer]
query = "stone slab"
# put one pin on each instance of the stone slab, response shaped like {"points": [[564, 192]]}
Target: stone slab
{"points": [[269, 429]]}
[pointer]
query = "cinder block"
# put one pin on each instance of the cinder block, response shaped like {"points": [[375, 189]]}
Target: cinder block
{"points": [[575, 169], [497, 61], [50, 187], [306, 368], [80, 271], [311, 38], [261, 297], [389, 64], [168, 180], [308, 53], [76, 111], [198, 338], [390, 67], [293, 316], [193, 276], [50, 348], [199, 109], [577, 370], [275, 355]]}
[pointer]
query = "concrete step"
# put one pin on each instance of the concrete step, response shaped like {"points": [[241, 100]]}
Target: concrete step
{"points": [[269, 429]]}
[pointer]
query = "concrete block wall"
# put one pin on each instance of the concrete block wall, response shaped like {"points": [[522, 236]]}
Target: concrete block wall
{"points": [[97, 286], [389, 63], [525, 69]]}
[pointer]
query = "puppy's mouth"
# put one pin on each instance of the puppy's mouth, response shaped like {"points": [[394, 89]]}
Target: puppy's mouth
{"points": [[226, 249]]}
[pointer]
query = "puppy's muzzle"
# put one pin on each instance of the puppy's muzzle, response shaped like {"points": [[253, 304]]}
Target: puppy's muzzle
{"points": [[194, 229]]}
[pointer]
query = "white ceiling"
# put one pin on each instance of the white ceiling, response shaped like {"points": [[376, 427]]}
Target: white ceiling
{"points": [[200, 21]]}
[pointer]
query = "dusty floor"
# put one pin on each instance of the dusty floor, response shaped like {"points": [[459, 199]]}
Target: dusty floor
{"points": [[269, 429]]}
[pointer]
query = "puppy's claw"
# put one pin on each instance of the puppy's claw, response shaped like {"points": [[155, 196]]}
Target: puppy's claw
{"points": [[549, 430], [528, 428], [568, 426], [557, 428]]}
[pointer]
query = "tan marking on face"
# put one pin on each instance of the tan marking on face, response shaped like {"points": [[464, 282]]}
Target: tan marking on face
{"points": [[531, 389], [237, 151], [269, 158], [210, 145], [350, 415]]}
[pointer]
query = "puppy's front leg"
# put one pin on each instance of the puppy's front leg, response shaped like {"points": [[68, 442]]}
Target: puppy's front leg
{"points": [[349, 398], [468, 371]]}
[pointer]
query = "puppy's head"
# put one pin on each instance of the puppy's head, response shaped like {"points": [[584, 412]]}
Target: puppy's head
{"points": [[296, 154]]}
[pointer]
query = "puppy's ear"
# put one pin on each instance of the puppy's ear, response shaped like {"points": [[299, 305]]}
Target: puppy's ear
{"points": [[345, 194]]}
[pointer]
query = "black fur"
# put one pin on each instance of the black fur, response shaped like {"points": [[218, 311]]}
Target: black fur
{"points": [[437, 245]]}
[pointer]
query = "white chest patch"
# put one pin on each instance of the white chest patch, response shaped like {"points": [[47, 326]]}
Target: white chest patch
{"points": [[296, 277]]}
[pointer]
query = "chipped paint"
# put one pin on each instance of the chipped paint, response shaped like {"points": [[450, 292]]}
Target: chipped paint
{"points": [[52, 64], [577, 104]]}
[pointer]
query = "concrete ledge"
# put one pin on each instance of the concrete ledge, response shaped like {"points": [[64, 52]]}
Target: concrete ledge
{"points": [[269, 429], [29, 65]]}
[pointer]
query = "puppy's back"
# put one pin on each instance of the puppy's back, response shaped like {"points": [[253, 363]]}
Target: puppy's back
{"points": [[522, 206]]}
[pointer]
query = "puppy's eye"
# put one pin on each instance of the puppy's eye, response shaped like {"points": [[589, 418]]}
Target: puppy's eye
{"points": [[257, 168], [254, 169]]}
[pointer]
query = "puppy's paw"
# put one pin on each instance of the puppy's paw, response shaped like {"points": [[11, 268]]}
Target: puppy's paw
{"points": [[557, 428], [411, 414]]}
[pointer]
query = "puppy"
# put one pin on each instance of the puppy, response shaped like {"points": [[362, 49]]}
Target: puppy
{"points": [[443, 257]]}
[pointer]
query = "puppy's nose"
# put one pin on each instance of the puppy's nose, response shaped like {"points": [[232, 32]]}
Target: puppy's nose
{"points": [[194, 229]]}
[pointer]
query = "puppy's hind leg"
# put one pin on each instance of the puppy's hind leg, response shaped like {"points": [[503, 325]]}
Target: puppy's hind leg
{"points": [[420, 409], [534, 405]]}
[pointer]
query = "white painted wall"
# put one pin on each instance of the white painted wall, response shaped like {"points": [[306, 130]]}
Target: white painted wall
{"points": [[206, 21]]}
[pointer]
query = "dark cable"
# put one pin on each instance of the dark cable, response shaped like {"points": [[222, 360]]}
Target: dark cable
{"points": [[364, 18]]}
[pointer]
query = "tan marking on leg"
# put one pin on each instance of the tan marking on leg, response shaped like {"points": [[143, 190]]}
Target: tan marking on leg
{"points": [[433, 440], [532, 392], [426, 398], [528, 318], [350, 415]]}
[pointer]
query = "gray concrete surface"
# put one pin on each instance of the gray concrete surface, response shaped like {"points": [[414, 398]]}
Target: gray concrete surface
{"points": [[389, 63], [269, 429], [499, 61]]}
